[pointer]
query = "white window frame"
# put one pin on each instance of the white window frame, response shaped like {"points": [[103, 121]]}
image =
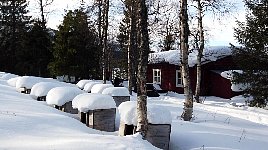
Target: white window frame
{"points": [[157, 77], [179, 84]]}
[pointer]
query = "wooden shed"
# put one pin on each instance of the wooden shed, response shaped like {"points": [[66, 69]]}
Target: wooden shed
{"points": [[97, 111], [167, 73], [159, 127]]}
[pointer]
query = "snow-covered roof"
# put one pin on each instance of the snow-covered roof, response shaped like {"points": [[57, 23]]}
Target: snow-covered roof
{"points": [[88, 86], [61, 95], [155, 114], [1, 74], [92, 101], [42, 88], [173, 56], [7, 76], [82, 83], [229, 75], [116, 91], [12, 81], [29, 81], [98, 88]]}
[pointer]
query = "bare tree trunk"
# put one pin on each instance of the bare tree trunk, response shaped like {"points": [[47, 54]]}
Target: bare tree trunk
{"points": [[142, 125], [105, 36], [184, 34], [132, 45], [42, 5], [200, 51], [43, 21]]}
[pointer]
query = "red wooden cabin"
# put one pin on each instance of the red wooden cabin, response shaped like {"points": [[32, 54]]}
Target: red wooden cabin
{"points": [[167, 74]]}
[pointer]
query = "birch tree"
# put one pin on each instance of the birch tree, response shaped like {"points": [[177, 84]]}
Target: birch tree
{"points": [[142, 125], [200, 48], [105, 36], [184, 37], [217, 7], [132, 44]]}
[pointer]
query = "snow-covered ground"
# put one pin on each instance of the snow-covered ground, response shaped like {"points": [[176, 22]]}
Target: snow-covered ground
{"points": [[218, 124]]}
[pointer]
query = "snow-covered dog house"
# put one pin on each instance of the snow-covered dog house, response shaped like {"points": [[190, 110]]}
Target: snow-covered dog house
{"points": [[119, 94], [39, 90], [12, 82], [24, 84], [98, 88], [81, 84], [88, 86], [7, 76], [159, 119], [128, 118], [100, 110], [61, 98]]}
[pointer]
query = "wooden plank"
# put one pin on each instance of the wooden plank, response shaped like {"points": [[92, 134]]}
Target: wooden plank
{"points": [[159, 135], [102, 119], [67, 107]]}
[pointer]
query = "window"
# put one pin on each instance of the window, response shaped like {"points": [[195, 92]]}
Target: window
{"points": [[178, 78], [157, 76]]}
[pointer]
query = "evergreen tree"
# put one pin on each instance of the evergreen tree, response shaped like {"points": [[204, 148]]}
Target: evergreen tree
{"points": [[122, 39], [252, 57], [76, 50], [13, 26], [33, 59]]}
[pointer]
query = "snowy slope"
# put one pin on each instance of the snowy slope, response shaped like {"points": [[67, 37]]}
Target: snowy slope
{"points": [[217, 125], [28, 124]]}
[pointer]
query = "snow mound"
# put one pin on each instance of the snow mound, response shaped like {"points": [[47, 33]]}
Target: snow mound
{"points": [[89, 86], [158, 115], [1, 74], [82, 83], [239, 101], [98, 88], [8, 76], [116, 91], [61, 95], [42, 88], [128, 112], [13, 81], [229, 75], [92, 101], [155, 114], [29, 81]]}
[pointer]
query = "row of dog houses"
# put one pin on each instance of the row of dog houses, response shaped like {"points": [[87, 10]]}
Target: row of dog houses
{"points": [[96, 105]]}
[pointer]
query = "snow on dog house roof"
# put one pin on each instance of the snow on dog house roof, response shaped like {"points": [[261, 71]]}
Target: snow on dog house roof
{"points": [[116, 91], [155, 114], [92, 101], [7, 76], [82, 83], [98, 88], [89, 85], [61, 95], [12, 81], [173, 56], [42, 88], [29, 81]]}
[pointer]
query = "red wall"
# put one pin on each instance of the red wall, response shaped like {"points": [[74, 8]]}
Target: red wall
{"points": [[168, 76], [212, 83]]}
